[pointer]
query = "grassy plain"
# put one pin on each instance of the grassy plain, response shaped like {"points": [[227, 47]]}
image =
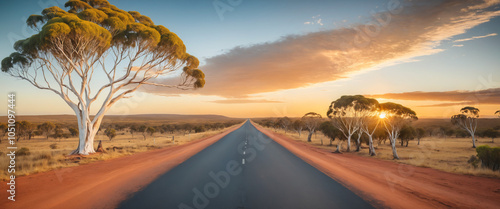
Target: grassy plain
{"points": [[48, 154], [448, 154]]}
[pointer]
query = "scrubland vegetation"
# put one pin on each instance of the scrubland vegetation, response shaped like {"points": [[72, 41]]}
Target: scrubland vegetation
{"points": [[44, 146], [391, 131]]}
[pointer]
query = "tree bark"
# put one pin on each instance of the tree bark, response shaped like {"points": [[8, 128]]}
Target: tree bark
{"points": [[349, 143], [309, 136], [370, 144], [358, 143], [394, 151], [473, 141], [339, 147]]}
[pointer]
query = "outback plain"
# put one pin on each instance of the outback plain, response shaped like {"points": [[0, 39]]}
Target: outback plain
{"points": [[249, 104]]}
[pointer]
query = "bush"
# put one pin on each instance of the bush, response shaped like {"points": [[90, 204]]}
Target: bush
{"points": [[23, 151], [53, 146], [489, 156]]}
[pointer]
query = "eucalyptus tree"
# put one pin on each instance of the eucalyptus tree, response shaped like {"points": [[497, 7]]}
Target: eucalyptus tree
{"points": [[369, 121], [420, 133], [285, 123], [347, 112], [46, 128], [95, 54], [311, 122], [298, 125], [395, 117], [110, 133], [331, 132], [467, 120]]}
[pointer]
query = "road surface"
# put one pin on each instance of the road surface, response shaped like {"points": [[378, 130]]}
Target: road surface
{"points": [[245, 169]]}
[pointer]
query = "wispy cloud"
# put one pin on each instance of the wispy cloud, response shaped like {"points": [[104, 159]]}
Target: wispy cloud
{"points": [[301, 60], [474, 37], [448, 98], [316, 20], [244, 101], [458, 45]]}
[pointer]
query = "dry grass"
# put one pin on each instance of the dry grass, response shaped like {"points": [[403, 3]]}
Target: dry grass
{"points": [[51, 154], [446, 154]]}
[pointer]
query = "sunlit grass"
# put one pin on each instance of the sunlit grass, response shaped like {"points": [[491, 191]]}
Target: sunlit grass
{"points": [[447, 154], [46, 155]]}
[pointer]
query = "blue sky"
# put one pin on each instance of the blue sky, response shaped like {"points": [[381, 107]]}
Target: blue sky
{"points": [[458, 66]]}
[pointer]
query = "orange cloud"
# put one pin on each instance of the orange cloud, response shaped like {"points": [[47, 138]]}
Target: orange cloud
{"points": [[448, 98], [244, 101], [405, 31]]}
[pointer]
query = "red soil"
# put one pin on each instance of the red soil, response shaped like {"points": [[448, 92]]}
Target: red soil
{"points": [[102, 184], [384, 184], [388, 184]]}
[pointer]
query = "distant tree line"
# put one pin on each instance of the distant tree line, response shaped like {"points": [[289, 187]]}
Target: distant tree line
{"points": [[26, 130], [359, 120]]}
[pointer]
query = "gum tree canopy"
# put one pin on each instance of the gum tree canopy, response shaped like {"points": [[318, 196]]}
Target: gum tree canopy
{"points": [[396, 117], [467, 120], [95, 54], [346, 113]]}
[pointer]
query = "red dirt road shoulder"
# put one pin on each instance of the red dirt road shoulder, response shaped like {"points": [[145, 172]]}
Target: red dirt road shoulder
{"points": [[102, 184], [392, 185]]}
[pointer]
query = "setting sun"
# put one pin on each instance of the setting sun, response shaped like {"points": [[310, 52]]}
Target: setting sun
{"points": [[382, 115]]}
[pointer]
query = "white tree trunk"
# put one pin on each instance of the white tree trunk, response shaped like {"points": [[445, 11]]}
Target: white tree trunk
{"points": [[473, 140], [309, 136], [394, 151], [339, 146], [87, 131], [358, 147], [349, 143], [371, 148]]}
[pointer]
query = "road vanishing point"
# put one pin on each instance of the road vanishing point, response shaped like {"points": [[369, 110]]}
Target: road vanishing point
{"points": [[244, 170]]}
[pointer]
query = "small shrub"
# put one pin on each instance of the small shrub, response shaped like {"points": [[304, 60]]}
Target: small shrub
{"points": [[53, 146], [490, 157], [23, 151], [474, 161]]}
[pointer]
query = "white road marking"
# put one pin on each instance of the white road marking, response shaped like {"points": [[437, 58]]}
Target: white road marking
{"points": [[244, 152], [243, 161]]}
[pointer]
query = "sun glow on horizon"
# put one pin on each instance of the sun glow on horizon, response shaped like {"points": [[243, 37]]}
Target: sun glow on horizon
{"points": [[382, 115]]}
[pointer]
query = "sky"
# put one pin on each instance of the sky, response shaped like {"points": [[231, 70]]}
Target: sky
{"points": [[290, 57]]}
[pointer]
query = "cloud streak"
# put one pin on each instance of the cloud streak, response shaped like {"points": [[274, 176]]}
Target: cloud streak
{"points": [[245, 101], [448, 98], [400, 33], [474, 37]]}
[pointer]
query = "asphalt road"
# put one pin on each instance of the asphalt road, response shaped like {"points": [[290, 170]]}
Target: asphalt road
{"points": [[245, 169]]}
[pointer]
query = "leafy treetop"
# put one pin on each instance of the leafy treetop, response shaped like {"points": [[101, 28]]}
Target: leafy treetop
{"points": [[106, 26]]}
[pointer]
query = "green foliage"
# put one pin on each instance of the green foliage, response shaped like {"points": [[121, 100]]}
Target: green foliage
{"points": [[398, 110], [356, 102], [330, 131], [420, 133], [46, 128], [103, 25], [490, 133], [23, 152], [199, 129], [489, 156], [110, 133], [406, 134], [470, 111], [151, 130], [73, 131]]}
